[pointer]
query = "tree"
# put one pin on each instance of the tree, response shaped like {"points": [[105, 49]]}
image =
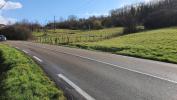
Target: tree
{"points": [[127, 16], [72, 18], [160, 19], [16, 32]]}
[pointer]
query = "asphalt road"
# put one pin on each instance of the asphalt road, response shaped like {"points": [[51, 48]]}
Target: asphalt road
{"points": [[94, 75]]}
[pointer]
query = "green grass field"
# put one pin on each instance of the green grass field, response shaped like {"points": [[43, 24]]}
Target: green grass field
{"points": [[66, 36], [60, 32], [22, 79], [160, 44]]}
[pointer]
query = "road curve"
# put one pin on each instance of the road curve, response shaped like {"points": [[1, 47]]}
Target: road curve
{"points": [[102, 76]]}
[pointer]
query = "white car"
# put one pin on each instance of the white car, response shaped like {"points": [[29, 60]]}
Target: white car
{"points": [[3, 38]]}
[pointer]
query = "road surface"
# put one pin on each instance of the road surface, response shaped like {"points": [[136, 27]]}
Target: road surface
{"points": [[94, 75]]}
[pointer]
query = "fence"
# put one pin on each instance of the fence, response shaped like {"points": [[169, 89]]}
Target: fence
{"points": [[67, 39]]}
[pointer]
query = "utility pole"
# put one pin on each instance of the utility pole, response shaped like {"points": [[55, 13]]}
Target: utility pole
{"points": [[45, 29], [89, 27], [54, 26]]}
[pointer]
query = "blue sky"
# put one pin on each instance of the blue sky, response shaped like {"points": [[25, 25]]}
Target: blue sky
{"points": [[44, 10]]}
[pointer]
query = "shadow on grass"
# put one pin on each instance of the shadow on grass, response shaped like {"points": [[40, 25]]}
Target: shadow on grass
{"points": [[4, 68], [101, 48]]}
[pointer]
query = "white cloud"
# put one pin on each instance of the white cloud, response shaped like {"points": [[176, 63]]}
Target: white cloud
{"points": [[8, 6], [12, 5], [4, 20]]}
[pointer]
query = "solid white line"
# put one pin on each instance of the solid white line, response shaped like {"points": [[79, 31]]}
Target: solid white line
{"points": [[24, 51], [169, 80], [165, 79], [37, 59], [17, 48], [79, 90]]}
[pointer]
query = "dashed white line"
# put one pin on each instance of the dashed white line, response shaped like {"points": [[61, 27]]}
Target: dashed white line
{"points": [[17, 48], [154, 76], [25, 51], [79, 90], [37, 59]]}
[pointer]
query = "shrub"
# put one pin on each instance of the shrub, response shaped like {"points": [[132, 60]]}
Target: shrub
{"points": [[16, 32]]}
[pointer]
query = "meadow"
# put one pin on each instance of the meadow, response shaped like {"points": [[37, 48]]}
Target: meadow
{"points": [[22, 79], [66, 36], [159, 44]]}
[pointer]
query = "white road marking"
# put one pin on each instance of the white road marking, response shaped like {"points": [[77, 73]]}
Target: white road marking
{"points": [[161, 78], [37, 59], [169, 80], [79, 90], [17, 47], [25, 51]]}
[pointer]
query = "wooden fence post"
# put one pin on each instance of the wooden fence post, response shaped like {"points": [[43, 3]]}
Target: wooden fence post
{"points": [[67, 39], [55, 41]]}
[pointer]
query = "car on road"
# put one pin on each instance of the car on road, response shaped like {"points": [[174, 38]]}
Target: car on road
{"points": [[3, 38]]}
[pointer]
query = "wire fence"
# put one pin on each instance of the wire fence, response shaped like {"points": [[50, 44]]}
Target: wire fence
{"points": [[67, 39]]}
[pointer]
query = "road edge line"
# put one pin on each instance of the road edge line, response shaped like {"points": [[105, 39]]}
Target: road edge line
{"points": [[79, 90], [25, 51], [135, 71], [37, 59], [169, 80]]}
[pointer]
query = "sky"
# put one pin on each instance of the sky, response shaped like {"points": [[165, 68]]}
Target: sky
{"points": [[43, 11]]}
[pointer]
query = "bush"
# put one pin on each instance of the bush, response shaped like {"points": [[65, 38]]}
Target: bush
{"points": [[130, 29], [16, 32]]}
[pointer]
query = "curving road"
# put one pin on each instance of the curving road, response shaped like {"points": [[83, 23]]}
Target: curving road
{"points": [[91, 75]]}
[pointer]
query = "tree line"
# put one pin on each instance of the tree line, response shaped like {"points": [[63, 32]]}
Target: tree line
{"points": [[152, 15], [156, 14]]}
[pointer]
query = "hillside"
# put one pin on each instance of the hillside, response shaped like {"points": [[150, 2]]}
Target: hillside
{"points": [[66, 36], [160, 44], [59, 32]]}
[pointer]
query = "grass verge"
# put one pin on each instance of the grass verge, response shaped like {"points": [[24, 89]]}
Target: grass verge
{"points": [[22, 79]]}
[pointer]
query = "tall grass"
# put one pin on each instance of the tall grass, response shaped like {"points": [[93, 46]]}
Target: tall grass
{"points": [[22, 79]]}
